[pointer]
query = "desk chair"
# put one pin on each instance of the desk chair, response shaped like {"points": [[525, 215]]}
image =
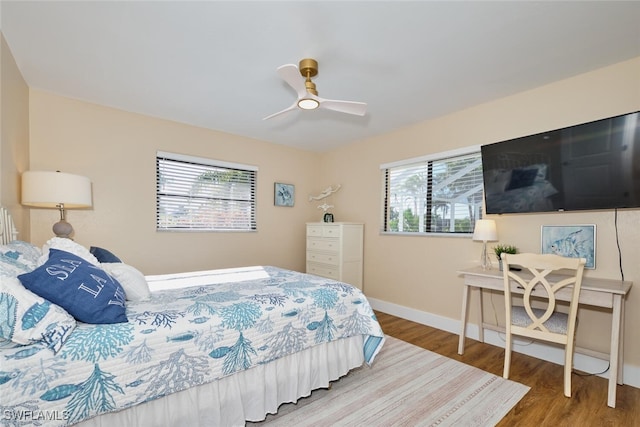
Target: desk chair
{"points": [[536, 280]]}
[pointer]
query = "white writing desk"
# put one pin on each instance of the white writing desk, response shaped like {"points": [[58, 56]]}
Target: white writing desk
{"points": [[595, 292]]}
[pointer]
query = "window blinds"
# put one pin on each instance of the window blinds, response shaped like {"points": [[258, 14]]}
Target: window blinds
{"points": [[435, 194], [201, 194]]}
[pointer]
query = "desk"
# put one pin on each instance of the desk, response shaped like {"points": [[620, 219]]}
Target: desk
{"points": [[595, 292]]}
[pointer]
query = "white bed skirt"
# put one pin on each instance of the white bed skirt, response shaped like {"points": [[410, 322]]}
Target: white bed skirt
{"points": [[245, 396]]}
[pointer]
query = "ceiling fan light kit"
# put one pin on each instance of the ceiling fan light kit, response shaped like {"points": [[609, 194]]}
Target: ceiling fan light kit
{"points": [[308, 104], [308, 98]]}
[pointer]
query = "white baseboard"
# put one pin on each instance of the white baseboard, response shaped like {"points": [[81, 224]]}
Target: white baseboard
{"points": [[582, 362]]}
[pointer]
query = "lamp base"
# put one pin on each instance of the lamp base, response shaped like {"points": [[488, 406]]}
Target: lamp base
{"points": [[62, 229], [485, 262]]}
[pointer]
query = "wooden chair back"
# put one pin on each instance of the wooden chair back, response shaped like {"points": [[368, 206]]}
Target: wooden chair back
{"points": [[539, 278]]}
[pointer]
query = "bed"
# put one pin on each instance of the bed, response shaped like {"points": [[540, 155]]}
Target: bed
{"points": [[204, 348]]}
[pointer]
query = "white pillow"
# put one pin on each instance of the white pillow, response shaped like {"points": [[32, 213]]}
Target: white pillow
{"points": [[67, 245], [21, 254], [132, 280], [31, 318]]}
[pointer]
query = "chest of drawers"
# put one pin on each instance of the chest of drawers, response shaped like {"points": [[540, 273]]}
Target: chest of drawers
{"points": [[334, 250]]}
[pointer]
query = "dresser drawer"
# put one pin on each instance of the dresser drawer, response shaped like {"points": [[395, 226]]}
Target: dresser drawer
{"points": [[331, 245], [330, 231], [323, 270], [314, 230], [323, 231], [325, 258]]}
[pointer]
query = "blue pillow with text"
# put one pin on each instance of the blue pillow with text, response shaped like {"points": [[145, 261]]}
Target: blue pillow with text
{"points": [[85, 290]]}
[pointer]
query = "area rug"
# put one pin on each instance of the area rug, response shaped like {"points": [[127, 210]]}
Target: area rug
{"points": [[406, 386]]}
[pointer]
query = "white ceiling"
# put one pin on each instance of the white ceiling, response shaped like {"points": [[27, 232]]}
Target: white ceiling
{"points": [[213, 63]]}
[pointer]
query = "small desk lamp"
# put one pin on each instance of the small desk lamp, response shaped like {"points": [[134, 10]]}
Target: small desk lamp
{"points": [[45, 189], [485, 231]]}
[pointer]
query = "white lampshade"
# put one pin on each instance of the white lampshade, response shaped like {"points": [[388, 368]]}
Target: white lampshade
{"points": [[46, 189], [485, 231]]}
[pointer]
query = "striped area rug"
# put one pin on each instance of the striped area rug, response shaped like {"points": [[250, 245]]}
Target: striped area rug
{"points": [[406, 386]]}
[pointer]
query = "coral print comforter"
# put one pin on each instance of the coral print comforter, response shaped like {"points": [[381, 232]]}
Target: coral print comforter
{"points": [[196, 327]]}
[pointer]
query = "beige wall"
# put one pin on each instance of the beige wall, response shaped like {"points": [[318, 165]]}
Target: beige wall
{"points": [[419, 272], [117, 149], [14, 134]]}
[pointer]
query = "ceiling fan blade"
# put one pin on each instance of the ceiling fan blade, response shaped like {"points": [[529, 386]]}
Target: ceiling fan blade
{"points": [[349, 107], [292, 107], [291, 74]]}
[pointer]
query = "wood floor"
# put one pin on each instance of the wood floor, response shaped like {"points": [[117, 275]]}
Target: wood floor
{"points": [[544, 404]]}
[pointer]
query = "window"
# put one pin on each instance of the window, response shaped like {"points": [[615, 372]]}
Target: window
{"points": [[200, 194], [433, 194]]}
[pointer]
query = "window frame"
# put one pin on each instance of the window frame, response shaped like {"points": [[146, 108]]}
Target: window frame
{"points": [[384, 228], [202, 163]]}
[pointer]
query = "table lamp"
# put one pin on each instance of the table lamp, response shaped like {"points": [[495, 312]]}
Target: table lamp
{"points": [[59, 190], [485, 231]]}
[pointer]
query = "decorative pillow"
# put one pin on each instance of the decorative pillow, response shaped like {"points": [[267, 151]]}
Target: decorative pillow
{"points": [[132, 280], [85, 290], [522, 178], [67, 245], [10, 267], [103, 255], [28, 318], [18, 256]]}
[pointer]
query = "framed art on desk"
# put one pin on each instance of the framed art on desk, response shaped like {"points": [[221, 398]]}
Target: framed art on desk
{"points": [[574, 241]]}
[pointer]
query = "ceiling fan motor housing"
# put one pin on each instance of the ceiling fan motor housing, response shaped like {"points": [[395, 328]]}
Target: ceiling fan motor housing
{"points": [[309, 68]]}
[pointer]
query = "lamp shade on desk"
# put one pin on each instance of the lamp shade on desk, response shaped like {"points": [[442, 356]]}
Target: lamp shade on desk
{"points": [[485, 231]]}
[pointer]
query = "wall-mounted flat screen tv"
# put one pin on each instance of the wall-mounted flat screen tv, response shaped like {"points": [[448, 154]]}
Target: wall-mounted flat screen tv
{"points": [[591, 166]]}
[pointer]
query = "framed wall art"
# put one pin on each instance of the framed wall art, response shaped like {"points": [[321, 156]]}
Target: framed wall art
{"points": [[284, 194], [575, 241]]}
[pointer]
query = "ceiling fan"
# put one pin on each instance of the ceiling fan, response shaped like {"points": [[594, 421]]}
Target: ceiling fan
{"points": [[308, 98]]}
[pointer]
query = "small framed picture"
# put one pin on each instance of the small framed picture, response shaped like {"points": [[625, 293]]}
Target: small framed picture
{"points": [[284, 194], [575, 241]]}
